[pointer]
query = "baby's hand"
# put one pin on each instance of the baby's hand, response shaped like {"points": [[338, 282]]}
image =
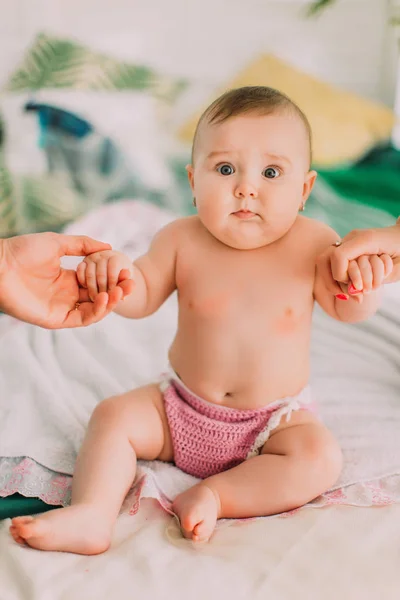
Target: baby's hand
{"points": [[367, 273], [103, 271]]}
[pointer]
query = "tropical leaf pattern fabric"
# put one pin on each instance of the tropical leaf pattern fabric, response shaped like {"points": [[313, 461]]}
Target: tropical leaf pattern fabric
{"points": [[7, 206], [56, 63], [8, 211], [51, 200]]}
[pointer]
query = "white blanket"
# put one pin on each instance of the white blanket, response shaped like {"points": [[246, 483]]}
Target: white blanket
{"points": [[50, 381], [340, 553]]}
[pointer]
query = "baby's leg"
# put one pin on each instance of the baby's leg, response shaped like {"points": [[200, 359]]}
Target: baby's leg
{"points": [[300, 461], [120, 430]]}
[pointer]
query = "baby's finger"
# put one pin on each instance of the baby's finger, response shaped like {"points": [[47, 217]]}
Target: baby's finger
{"points": [[366, 273], [81, 274], [355, 277], [101, 275], [387, 263], [91, 280], [378, 271], [112, 272]]}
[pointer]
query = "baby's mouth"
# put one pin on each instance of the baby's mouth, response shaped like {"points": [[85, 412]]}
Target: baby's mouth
{"points": [[244, 214]]}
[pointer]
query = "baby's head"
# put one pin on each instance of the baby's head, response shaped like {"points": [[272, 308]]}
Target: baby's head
{"points": [[250, 171]]}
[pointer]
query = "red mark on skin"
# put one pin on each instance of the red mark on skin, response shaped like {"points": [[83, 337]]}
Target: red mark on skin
{"points": [[287, 323], [213, 305], [341, 297]]}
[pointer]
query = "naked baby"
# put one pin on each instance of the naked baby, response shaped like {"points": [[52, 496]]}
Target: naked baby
{"points": [[235, 409]]}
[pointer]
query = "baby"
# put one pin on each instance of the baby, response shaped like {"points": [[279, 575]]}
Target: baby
{"points": [[235, 408]]}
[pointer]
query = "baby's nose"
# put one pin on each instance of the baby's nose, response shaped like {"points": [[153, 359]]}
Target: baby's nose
{"points": [[246, 189]]}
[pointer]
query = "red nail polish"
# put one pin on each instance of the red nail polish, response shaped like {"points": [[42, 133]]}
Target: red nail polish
{"points": [[341, 297], [353, 290]]}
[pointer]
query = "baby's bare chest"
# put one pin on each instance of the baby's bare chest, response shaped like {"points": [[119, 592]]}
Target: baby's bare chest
{"points": [[245, 287]]}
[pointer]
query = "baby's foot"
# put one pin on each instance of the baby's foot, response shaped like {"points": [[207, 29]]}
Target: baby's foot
{"points": [[80, 528], [198, 509]]}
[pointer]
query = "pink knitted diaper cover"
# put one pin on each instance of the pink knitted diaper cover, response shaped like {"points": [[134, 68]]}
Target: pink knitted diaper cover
{"points": [[208, 438]]}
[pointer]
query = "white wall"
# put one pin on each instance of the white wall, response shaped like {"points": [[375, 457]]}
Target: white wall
{"points": [[349, 45]]}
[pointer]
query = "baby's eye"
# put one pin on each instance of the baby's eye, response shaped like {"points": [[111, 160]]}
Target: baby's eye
{"points": [[271, 172], [225, 169]]}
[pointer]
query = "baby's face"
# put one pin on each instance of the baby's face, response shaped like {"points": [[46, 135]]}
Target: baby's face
{"points": [[250, 177]]}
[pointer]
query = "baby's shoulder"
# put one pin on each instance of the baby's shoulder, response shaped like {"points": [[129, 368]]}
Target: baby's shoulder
{"points": [[177, 229], [315, 235]]}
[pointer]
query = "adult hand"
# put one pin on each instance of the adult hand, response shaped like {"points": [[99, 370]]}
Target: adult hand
{"points": [[334, 264], [34, 288], [385, 240]]}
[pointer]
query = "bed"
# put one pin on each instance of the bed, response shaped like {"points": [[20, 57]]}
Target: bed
{"points": [[343, 544], [345, 540]]}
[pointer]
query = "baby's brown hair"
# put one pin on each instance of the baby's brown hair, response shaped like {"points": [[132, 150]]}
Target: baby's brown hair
{"points": [[259, 100]]}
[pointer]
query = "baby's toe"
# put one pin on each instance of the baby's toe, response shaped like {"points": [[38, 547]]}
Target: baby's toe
{"points": [[203, 531], [15, 535], [188, 523]]}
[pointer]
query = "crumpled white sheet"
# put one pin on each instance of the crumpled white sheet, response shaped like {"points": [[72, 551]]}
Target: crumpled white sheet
{"points": [[50, 381], [341, 552]]}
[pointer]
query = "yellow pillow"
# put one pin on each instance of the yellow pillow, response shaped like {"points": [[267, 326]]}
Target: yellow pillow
{"points": [[344, 125]]}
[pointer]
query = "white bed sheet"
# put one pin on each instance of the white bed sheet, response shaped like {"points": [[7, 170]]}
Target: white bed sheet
{"points": [[339, 552], [333, 552]]}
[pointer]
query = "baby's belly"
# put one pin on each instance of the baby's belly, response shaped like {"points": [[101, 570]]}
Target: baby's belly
{"points": [[243, 374]]}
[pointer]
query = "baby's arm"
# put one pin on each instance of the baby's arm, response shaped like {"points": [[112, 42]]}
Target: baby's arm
{"points": [[341, 302], [153, 273]]}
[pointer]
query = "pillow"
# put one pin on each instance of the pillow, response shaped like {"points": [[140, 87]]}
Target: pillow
{"points": [[8, 225], [129, 119], [67, 152], [97, 121], [345, 126], [7, 207], [61, 165], [52, 62]]}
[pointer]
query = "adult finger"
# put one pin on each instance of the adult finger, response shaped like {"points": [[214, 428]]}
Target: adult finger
{"points": [[114, 296], [368, 241], [127, 287], [378, 271], [87, 313], [124, 274], [355, 277], [324, 273], [79, 245], [81, 274], [84, 295], [387, 263], [102, 306], [365, 267]]}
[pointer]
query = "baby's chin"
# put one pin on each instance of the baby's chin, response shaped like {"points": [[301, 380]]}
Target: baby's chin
{"points": [[244, 240]]}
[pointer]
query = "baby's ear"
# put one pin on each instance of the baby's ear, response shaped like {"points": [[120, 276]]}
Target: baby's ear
{"points": [[190, 172], [308, 185]]}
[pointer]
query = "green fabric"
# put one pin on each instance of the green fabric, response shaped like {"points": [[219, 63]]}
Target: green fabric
{"points": [[17, 505], [374, 181]]}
